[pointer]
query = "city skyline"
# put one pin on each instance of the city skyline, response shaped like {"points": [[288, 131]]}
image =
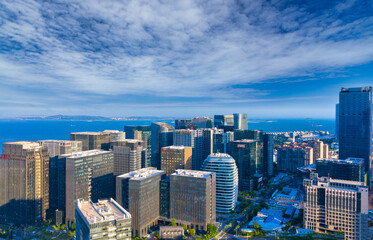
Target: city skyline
{"points": [[267, 59]]}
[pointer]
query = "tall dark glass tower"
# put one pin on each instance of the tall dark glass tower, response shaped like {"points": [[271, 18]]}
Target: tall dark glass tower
{"points": [[355, 124]]}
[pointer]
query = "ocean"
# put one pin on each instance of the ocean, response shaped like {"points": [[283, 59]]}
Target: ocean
{"points": [[30, 130]]}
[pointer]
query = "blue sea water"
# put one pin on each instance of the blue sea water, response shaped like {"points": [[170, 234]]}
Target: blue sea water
{"points": [[30, 130]]}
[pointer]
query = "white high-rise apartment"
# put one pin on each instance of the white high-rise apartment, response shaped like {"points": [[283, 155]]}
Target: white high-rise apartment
{"points": [[332, 205]]}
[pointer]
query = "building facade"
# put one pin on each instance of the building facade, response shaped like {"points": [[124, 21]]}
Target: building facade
{"points": [[184, 124], [91, 140], [103, 220], [24, 182], [221, 140], [143, 133], [176, 157], [162, 134], [193, 198], [248, 156], [355, 124], [240, 121], [221, 121], [128, 155], [268, 147], [138, 191], [226, 180], [320, 150], [201, 141], [86, 175], [59, 147], [202, 122], [291, 157], [336, 205], [351, 169]]}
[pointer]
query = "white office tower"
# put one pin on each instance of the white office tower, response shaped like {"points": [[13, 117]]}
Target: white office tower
{"points": [[226, 180], [332, 205]]}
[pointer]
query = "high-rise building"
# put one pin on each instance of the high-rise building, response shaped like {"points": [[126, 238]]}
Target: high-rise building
{"points": [[164, 197], [223, 120], [115, 135], [337, 121], [268, 146], [162, 134], [319, 149], [24, 182], [128, 155], [202, 122], [240, 121], [143, 133], [266, 140], [86, 175], [138, 191], [105, 219], [291, 157], [176, 157], [97, 140], [248, 134], [226, 180], [351, 169], [59, 147], [248, 156], [130, 130], [332, 205], [192, 198], [221, 140], [201, 141], [355, 124], [184, 124]]}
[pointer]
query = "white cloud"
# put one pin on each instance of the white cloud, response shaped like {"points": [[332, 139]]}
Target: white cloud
{"points": [[172, 48]]}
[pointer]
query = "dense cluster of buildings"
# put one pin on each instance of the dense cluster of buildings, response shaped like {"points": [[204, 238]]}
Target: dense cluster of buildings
{"points": [[116, 184], [191, 173], [337, 194]]}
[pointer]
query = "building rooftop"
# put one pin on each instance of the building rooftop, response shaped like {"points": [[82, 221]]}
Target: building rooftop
{"points": [[85, 153], [220, 155], [247, 140], [358, 89], [25, 144], [192, 173], [129, 140], [142, 174], [352, 161], [112, 131], [57, 141], [173, 147], [103, 210], [338, 183], [89, 133]]}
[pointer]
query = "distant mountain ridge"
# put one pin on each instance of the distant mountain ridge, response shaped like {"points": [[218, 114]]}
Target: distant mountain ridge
{"points": [[61, 117]]}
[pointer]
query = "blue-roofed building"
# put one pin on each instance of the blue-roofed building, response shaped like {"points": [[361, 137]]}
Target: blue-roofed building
{"points": [[290, 211]]}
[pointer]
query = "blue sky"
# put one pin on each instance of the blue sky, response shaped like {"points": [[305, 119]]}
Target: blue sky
{"points": [[270, 59]]}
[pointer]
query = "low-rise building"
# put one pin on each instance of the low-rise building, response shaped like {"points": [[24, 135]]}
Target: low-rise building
{"points": [[103, 220], [171, 232]]}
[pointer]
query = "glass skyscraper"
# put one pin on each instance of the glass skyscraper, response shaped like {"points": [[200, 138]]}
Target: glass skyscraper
{"points": [[355, 124]]}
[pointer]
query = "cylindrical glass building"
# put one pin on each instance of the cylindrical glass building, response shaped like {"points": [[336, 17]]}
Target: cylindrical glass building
{"points": [[226, 180]]}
